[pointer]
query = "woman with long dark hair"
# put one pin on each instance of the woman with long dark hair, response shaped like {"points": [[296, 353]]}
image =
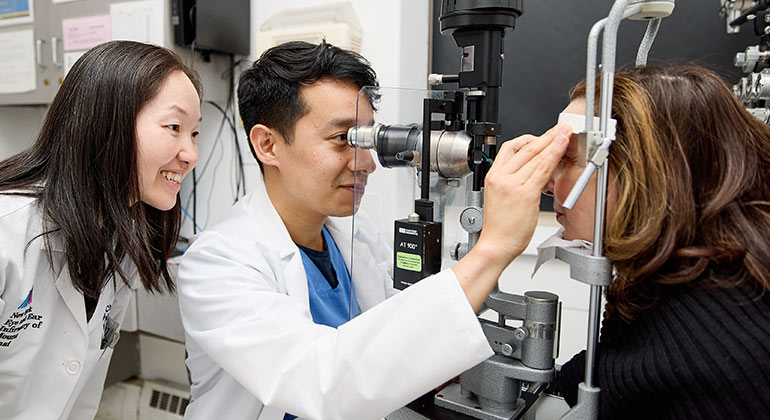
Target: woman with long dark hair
{"points": [[686, 333], [89, 212]]}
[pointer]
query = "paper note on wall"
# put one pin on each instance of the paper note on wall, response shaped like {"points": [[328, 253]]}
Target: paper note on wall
{"points": [[13, 12], [69, 60], [84, 33], [142, 21], [17, 61]]}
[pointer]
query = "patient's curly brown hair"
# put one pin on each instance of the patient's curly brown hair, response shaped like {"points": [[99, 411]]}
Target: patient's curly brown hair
{"points": [[691, 169]]}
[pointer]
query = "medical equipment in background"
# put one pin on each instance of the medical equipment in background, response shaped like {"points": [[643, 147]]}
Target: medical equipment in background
{"points": [[753, 90], [595, 269], [464, 143], [459, 146]]}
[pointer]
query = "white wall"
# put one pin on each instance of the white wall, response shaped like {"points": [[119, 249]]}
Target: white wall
{"points": [[395, 34], [19, 126]]}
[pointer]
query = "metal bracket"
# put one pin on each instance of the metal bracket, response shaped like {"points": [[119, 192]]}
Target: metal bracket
{"points": [[453, 398], [588, 141], [587, 407], [586, 268], [508, 304], [491, 389], [601, 152]]}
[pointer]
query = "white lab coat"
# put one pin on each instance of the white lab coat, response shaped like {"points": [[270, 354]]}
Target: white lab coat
{"points": [[51, 365], [254, 351]]}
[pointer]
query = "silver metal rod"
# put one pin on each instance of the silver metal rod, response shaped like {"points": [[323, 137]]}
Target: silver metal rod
{"points": [[594, 316], [579, 186], [617, 13], [475, 199], [605, 104], [595, 303], [600, 209], [646, 45], [593, 41], [473, 238]]}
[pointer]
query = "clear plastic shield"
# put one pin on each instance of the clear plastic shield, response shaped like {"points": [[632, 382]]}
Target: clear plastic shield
{"points": [[388, 170]]}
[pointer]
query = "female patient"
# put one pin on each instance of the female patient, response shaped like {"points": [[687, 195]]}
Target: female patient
{"points": [[687, 327], [87, 213]]}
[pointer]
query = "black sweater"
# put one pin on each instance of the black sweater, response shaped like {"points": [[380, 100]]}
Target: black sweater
{"points": [[699, 354]]}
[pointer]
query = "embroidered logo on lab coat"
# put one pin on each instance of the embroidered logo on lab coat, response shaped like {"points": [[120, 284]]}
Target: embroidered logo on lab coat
{"points": [[27, 301], [24, 318]]}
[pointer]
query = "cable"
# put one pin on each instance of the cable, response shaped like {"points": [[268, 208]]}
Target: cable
{"points": [[216, 167], [196, 179], [239, 171], [229, 117], [195, 203], [225, 118], [184, 210], [240, 175], [216, 141], [240, 180]]}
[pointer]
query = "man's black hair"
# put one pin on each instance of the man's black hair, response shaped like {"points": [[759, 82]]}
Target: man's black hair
{"points": [[269, 91]]}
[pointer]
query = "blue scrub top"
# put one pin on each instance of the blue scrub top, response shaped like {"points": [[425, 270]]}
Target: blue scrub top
{"points": [[329, 306]]}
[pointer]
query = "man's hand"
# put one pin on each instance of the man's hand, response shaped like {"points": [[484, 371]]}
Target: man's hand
{"points": [[511, 205]]}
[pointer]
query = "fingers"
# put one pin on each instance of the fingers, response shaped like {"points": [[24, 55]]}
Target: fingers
{"points": [[513, 185], [514, 145], [538, 171], [510, 147], [516, 153]]}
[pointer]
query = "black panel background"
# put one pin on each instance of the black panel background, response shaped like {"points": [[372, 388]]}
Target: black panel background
{"points": [[546, 53]]}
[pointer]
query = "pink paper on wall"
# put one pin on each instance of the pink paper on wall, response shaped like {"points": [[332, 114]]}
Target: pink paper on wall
{"points": [[84, 33]]}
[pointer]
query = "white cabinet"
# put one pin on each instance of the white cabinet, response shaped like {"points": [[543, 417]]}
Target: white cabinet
{"points": [[47, 43]]}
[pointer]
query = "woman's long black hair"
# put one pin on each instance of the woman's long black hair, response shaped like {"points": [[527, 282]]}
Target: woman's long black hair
{"points": [[83, 168]]}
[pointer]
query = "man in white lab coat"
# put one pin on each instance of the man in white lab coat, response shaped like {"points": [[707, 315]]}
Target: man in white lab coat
{"points": [[267, 296]]}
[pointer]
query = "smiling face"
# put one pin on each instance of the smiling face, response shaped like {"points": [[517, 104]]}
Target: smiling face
{"points": [[318, 174], [166, 128], [578, 223]]}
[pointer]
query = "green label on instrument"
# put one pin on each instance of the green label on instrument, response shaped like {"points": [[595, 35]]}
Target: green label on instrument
{"points": [[409, 262]]}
